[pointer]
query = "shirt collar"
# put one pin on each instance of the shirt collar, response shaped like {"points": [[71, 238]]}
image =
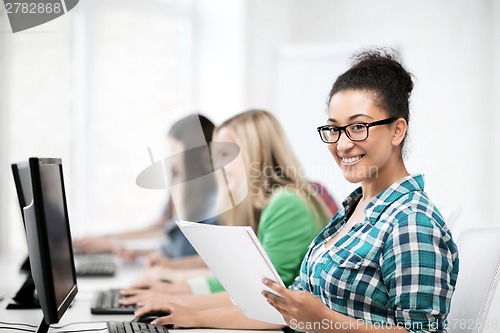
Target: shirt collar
{"points": [[352, 200], [378, 204], [375, 207], [404, 186]]}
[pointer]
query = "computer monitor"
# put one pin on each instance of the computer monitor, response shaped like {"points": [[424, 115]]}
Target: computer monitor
{"points": [[89, 265], [49, 240]]}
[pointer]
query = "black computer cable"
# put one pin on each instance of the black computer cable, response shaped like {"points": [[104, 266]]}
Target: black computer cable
{"points": [[12, 327], [84, 330], [18, 324], [16, 329]]}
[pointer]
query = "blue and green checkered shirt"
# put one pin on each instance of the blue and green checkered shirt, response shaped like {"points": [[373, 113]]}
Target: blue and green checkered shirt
{"points": [[398, 267]]}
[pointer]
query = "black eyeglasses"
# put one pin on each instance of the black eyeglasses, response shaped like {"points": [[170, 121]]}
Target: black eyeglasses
{"points": [[355, 131]]}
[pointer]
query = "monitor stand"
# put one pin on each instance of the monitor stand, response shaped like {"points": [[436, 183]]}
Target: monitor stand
{"points": [[25, 266], [25, 298], [43, 327]]}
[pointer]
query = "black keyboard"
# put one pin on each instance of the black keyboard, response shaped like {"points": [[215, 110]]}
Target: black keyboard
{"points": [[106, 302], [96, 269], [134, 327], [95, 264]]}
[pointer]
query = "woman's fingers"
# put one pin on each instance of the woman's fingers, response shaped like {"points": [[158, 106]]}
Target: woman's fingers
{"points": [[129, 300], [278, 289], [164, 307], [131, 291]]}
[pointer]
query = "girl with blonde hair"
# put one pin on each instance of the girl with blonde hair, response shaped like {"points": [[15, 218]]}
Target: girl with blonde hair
{"points": [[271, 166]]}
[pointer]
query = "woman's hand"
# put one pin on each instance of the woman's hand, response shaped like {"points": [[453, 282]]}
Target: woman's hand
{"points": [[142, 297], [158, 259], [150, 284], [179, 316], [297, 307], [153, 292], [130, 255], [97, 244], [157, 273]]}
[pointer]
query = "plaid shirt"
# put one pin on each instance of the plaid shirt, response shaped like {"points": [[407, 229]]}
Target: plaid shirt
{"points": [[398, 267]]}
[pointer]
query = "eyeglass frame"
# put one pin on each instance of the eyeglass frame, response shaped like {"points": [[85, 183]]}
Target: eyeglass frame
{"points": [[341, 129]]}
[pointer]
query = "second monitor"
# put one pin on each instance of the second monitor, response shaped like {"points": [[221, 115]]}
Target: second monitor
{"points": [[49, 247], [49, 241], [91, 265]]}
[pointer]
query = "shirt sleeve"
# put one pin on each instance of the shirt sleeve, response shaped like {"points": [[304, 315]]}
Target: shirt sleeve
{"points": [[419, 269], [214, 284], [199, 285], [296, 285]]}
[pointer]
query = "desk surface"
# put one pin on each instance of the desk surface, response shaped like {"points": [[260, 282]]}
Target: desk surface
{"points": [[79, 311]]}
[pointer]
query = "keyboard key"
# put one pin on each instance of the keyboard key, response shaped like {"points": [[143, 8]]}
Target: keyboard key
{"points": [[134, 327]]}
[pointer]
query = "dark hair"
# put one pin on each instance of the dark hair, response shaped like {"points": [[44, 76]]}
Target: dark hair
{"points": [[197, 162], [182, 130], [379, 71]]}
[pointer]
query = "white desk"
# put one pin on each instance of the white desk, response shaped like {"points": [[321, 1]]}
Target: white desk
{"points": [[80, 309]]}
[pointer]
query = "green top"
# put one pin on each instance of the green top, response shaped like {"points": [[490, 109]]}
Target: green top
{"points": [[286, 228]]}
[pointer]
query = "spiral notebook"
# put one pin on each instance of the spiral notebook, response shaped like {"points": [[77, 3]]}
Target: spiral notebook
{"points": [[236, 257]]}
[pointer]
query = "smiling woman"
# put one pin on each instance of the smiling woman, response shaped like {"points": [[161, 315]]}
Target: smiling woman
{"points": [[387, 259]]}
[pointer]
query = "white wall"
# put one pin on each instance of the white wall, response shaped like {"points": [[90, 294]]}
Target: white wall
{"points": [[3, 148], [269, 26], [495, 70], [77, 88], [219, 57]]}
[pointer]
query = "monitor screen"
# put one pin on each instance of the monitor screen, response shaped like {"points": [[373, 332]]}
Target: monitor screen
{"points": [[49, 240]]}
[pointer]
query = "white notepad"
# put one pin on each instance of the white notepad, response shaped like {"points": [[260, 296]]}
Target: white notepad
{"points": [[236, 257]]}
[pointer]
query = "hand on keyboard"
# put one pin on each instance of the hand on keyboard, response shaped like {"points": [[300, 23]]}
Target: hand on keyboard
{"points": [[108, 302], [152, 317], [144, 296], [178, 316]]}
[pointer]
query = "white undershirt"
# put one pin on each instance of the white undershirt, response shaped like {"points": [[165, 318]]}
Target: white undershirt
{"points": [[319, 251]]}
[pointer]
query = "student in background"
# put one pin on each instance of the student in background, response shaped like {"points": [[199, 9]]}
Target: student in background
{"points": [[175, 249], [281, 207]]}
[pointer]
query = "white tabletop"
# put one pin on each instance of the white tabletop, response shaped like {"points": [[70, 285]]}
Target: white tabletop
{"points": [[79, 312]]}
